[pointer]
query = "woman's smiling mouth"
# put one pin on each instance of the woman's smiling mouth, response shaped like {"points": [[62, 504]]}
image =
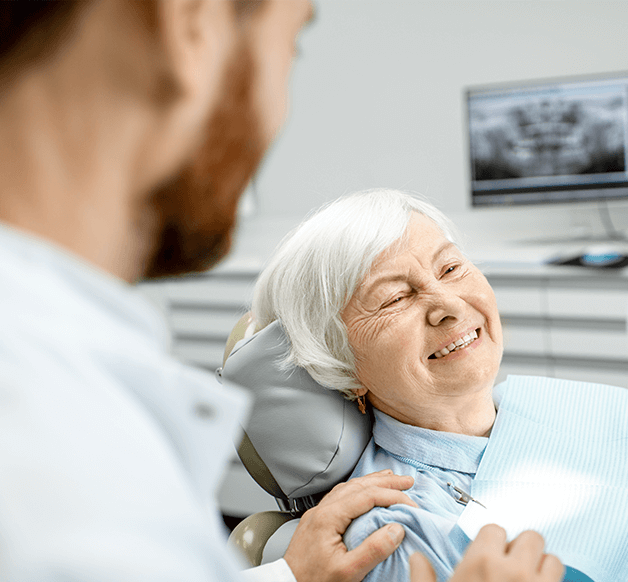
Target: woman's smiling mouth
{"points": [[457, 345]]}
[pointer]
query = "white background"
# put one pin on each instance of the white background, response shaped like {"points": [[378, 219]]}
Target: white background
{"points": [[377, 95]]}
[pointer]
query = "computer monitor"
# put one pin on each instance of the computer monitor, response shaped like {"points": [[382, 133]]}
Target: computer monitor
{"points": [[561, 140]]}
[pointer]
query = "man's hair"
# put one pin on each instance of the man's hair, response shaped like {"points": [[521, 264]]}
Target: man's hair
{"points": [[317, 268], [32, 30]]}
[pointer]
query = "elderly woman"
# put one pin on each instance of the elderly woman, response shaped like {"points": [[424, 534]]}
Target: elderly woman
{"points": [[380, 303]]}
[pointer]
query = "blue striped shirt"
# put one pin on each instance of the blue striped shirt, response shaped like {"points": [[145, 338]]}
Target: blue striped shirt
{"points": [[433, 458]]}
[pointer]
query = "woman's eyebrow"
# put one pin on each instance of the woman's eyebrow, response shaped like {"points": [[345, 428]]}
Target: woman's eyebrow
{"points": [[381, 280], [445, 246]]}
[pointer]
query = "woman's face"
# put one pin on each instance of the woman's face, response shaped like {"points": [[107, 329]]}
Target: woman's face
{"points": [[418, 299]]}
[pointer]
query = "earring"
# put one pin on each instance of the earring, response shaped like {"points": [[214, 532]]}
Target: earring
{"points": [[362, 404]]}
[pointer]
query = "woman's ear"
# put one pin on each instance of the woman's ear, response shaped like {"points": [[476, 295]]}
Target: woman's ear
{"points": [[360, 391]]}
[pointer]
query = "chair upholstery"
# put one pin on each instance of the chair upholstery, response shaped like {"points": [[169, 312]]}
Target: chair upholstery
{"points": [[301, 438], [309, 437]]}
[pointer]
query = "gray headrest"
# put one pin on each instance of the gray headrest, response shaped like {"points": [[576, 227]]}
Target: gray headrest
{"points": [[309, 437]]}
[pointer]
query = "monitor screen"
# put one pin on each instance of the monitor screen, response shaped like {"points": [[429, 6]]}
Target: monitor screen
{"points": [[550, 141]]}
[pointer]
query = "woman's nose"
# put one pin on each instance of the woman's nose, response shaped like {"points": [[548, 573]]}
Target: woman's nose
{"points": [[445, 307]]}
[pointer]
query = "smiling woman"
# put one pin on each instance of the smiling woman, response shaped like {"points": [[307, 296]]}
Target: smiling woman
{"points": [[378, 300], [425, 332]]}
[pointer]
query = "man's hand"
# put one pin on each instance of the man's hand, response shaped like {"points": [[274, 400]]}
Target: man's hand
{"points": [[490, 558], [317, 552]]}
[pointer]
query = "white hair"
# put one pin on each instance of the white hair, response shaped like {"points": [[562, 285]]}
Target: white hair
{"points": [[317, 268]]}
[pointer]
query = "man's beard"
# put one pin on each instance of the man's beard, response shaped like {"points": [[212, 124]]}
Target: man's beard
{"points": [[196, 211]]}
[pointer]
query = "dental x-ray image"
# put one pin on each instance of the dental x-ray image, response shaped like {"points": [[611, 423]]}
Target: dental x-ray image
{"points": [[548, 135]]}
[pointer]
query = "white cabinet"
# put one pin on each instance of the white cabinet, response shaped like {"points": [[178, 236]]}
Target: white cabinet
{"points": [[564, 322], [595, 344], [598, 302], [522, 339], [520, 299]]}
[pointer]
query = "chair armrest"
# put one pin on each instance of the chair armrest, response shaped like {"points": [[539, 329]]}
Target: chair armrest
{"points": [[251, 534]]}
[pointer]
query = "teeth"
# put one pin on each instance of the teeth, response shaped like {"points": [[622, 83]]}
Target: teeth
{"points": [[459, 344]]}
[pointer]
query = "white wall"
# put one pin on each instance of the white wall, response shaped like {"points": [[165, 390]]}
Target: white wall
{"points": [[377, 94]]}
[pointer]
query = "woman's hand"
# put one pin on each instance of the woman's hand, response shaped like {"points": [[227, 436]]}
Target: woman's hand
{"points": [[317, 552], [490, 558]]}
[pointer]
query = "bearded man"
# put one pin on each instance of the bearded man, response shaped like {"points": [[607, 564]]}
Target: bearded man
{"points": [[128, 131]]}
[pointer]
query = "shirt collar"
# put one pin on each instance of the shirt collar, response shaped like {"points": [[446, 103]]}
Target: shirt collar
{"points": [[445, 450]]}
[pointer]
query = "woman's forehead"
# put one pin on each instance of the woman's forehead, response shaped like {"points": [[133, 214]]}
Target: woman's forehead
{"points": [[423, 242], [422, 237]]}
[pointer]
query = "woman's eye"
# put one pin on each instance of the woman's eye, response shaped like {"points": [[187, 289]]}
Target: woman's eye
{"points": [[450, 269], [393, 301]]}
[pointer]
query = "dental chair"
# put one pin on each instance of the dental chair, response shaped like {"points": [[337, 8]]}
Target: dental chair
{"points": [[301, 439]]}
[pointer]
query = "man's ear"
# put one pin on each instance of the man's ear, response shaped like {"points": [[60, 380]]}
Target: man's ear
{"points": [[196, 37]]}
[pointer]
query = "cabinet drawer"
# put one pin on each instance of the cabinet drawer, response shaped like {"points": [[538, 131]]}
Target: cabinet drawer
{"points": [[524, 339], [519, 301], [588, 303], [204, 354], [203, 323], [236, 291], [589, 343]]}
